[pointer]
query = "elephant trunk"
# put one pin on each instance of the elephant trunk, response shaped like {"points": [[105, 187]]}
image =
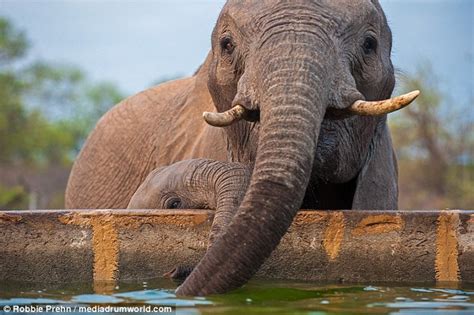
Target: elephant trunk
{"points": [[225, 185], [293, 100]]}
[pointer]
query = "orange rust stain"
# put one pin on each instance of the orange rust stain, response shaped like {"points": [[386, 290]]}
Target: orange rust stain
{"points": [[106, 248], [334, 235], [104, 226], [177, 219], [105, 243], [446, 263], [134, 219], [377, 224], [8, 218], [308, 217], [75, 218], [471, 220]]}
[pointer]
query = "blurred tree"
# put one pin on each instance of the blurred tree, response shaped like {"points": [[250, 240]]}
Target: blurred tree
{"points": [[68, 100], [46, 112], [435, 146], [12, 116], [13, 43], [13, 197], [53, 89]]}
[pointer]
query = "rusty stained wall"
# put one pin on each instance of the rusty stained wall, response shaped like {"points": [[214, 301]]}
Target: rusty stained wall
{"points": [[341, 246]]}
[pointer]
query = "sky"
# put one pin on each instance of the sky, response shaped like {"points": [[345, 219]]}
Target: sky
{"points": [[136, 43]]}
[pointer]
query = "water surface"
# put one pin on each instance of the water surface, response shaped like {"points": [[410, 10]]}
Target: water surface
{"points": [[258, 297]]}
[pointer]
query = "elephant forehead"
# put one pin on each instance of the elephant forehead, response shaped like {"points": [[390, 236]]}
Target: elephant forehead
{"points": [[175, 175], [251, 9], [167, 177], [250, 14]]}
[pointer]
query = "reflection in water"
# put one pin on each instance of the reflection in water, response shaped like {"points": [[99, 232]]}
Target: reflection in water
{"points": [[257, 297]]}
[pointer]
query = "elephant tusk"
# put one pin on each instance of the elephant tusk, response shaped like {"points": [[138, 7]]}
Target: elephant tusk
{"points": [[363, 108], [227, 118], [376, 108]]}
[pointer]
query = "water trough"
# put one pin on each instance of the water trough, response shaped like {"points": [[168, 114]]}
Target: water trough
{"points": [[340, 246]]}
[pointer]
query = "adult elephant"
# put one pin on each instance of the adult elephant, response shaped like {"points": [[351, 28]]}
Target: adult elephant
{"points": [[290, 79]]}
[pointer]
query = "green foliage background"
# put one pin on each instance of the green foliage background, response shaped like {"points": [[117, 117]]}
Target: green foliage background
{"points": [[47, 111]]}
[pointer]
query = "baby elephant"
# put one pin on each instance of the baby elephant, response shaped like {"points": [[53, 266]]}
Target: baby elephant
{"points": [[195, 184]]}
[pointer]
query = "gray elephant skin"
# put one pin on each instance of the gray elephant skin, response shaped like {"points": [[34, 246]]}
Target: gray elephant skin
{"points": [[296, 67], [195, 184]]}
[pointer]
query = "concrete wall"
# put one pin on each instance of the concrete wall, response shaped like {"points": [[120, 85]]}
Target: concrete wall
{"points": [[342, 246]]}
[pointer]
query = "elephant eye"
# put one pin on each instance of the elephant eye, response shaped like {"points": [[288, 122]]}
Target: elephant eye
{"points": [[227, 45], [370, 45], [173, 203]]}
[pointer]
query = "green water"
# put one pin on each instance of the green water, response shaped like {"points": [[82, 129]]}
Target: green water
{"points": [[258, 297]]}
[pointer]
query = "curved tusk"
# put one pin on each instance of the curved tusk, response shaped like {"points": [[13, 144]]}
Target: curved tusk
{"points": [[227, 118], [375, 108]]}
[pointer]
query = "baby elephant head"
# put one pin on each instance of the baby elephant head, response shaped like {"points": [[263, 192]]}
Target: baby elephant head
{"points": [[195, 184], [169, 187], [192, 184]]}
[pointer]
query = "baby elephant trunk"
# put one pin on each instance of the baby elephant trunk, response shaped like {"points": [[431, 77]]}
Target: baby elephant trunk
{"points": [[226, 184]]}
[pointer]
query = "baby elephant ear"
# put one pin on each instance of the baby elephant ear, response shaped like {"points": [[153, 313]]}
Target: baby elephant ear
{"points": [[377, 183]]}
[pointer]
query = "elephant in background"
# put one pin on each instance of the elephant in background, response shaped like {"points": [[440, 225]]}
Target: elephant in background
{"points": [[301, 89]]}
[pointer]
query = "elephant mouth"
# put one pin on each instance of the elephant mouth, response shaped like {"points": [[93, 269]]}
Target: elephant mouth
{"points": [[358, 108]]}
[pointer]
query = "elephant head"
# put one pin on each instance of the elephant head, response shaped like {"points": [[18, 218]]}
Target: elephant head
{"points": [[195, 184], [298, 86]]}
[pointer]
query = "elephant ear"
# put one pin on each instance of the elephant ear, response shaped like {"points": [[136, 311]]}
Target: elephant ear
{"points": [[377, 183]]}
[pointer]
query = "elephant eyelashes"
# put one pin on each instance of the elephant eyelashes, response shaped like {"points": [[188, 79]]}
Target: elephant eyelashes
{"points": [[227, 45], [370, 45]]}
